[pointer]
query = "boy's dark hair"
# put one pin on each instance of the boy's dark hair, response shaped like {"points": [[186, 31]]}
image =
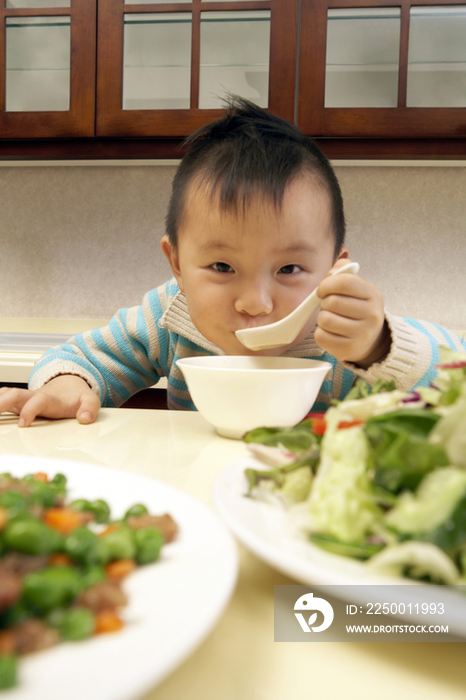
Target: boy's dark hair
{"points": [[249, 152]]}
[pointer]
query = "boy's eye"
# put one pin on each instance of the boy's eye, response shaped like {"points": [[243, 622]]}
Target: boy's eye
{"points": [[290, 269], [222, 267]]}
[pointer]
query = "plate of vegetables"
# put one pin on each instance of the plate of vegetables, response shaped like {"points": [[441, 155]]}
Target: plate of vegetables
{"points": [[108, 580], [371, 492]]}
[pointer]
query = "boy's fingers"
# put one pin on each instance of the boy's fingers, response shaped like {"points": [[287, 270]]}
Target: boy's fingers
{"points": [[88, 408], [345, 284], [12, 400], [37, 404]]}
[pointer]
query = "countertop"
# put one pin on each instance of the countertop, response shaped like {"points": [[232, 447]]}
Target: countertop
{"points": [[239, 660]]}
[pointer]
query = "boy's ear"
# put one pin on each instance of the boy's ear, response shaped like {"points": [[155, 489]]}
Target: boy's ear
{"points": [[344, 253], [171, 254]]}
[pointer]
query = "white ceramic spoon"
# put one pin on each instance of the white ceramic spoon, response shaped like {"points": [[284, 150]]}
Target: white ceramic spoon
{"points": [[283, 332]]}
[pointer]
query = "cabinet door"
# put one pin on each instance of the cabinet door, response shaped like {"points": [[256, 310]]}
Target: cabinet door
{"points": [[383, 68], [162, 67], [47, 68]]}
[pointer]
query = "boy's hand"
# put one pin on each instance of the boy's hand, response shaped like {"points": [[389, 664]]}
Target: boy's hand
{"points": [[66, 396], [351, 324]]}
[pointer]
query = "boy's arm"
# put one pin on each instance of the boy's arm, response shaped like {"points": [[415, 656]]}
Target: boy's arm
{"points": [[105, 366], [115, 361]]}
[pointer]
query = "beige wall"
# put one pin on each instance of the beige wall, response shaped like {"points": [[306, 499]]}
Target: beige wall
{"points": [[81, 241]]}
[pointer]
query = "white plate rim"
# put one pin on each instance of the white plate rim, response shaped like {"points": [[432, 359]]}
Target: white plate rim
{"points": [[306, 562], [38, 679]]}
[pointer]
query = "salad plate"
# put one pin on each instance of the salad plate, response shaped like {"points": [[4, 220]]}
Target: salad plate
{"points": [[173, 603], [275, 537]]}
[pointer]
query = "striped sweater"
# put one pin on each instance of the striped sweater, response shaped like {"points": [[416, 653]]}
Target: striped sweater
{"points": [[142, 343]]}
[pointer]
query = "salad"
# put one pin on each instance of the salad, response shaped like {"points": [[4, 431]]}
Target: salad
{"points": [[380, 477], [62, 565]]}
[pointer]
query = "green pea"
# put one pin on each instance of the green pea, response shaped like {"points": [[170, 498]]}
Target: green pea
{"points": [[55, 617], [101, 510], [136, 510], [12, 500], [17, 612], [80, 542], [52, 587], [59, 480], [76, 624], [93, 574], [81, 504], [20, 515], [8, 671], [31, 537], [120, 543], [42, 493], [100, 554], [149, 542], [84, 545]]}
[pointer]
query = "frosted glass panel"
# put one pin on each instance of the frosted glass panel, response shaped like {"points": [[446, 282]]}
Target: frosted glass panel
{"points": [[153, 2], [157, 61], [363, 48], [37, 3], [37, 64], [437, 57], [235, 49]]}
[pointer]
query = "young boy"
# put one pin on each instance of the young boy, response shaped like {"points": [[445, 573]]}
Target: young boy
{"points": [[255, 223]]}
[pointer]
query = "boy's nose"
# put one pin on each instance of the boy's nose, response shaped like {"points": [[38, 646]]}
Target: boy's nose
{"points": [[254, 301]]}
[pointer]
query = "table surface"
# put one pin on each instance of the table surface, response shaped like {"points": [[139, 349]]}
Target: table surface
{"points": [[239, 660]]}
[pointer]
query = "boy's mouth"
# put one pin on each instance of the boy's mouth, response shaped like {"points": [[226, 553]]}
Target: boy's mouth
{"points": [[257, 323]]}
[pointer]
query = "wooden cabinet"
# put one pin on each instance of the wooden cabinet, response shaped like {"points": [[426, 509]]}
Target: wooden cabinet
{"points": [[397, 67], [256, 39], [131, 79], [47, 69], [52, 52]]}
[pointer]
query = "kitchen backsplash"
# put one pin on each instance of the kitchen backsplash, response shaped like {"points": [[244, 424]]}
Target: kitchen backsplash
{"points": [[81, 241]]}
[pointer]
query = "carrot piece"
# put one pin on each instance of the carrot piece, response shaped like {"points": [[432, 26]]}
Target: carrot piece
{"points": [[3, 517], [59, 560], [349, 423], [120, 568], [107, 621], [7, 643], [318, 426], [41, 476], [63, 519], [113, 527]]}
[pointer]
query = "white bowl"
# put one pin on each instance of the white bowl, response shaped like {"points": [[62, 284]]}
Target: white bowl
{"points": [[239, 393]]}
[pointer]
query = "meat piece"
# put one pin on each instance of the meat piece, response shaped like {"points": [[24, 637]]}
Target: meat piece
{"points": [[34, 635], [106, 595], [164, 523], [23, 564], [10, 588], [11, 484]]}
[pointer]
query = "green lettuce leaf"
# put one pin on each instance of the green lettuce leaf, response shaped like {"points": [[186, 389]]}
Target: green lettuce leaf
{"points": [[432, 509], [341, 502], [295, 439], [401, 452]]}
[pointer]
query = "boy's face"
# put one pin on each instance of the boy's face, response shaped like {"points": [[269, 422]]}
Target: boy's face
{"points": [[241, 271]]}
